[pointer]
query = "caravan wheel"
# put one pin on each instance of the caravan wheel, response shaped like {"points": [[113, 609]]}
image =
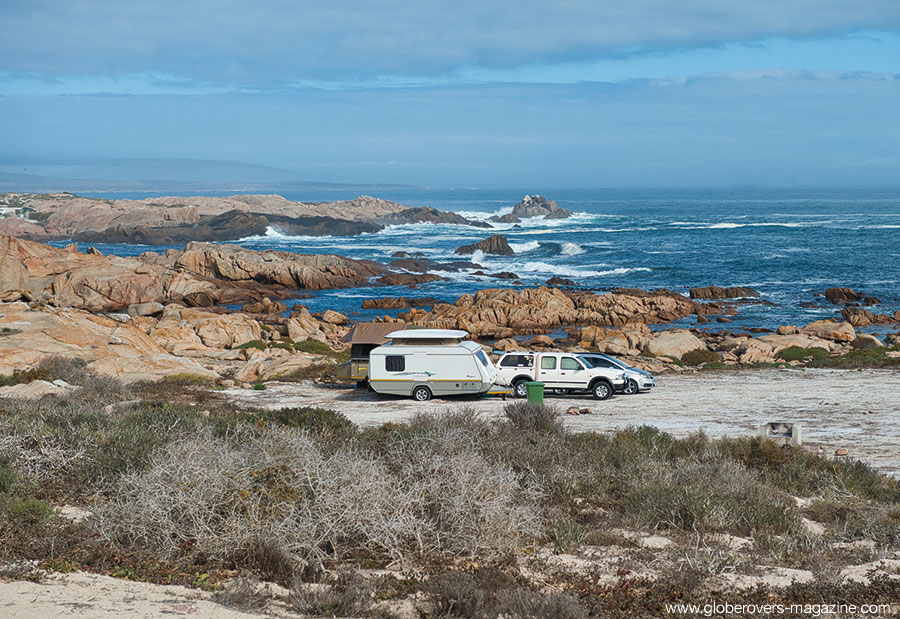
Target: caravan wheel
{"points": [[421, 393]]}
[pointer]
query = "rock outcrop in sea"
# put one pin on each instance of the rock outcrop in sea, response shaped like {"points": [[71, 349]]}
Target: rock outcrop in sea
{"points": [[496, 245], [718, 292], [539, 206]]}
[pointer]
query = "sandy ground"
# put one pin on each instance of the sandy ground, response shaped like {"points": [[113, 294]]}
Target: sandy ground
{"points": [[92, 596], [858, 410]]}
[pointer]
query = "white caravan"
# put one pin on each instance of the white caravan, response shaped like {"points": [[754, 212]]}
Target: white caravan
{"points": [[422, 363]]}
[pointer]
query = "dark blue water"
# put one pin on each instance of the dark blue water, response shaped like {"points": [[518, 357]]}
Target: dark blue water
{"points": [[787, 244]]}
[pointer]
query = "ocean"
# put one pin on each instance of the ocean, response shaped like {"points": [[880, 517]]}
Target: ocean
{"points": [[789, 244]]}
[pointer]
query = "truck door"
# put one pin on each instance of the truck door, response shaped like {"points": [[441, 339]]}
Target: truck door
{"points": [[548, 372], [571, 373]]}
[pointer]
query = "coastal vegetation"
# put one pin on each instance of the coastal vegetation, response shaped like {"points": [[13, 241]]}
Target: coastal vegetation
{"points": [[455, 513]]}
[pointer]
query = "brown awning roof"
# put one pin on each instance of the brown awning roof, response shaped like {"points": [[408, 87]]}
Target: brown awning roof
{"points": [[372, 332]]}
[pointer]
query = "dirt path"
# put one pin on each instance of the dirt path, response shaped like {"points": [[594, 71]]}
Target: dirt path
{"points": [[855, 409]]}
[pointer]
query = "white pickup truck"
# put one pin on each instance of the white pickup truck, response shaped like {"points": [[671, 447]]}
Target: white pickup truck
{"points": [[560, 372]]}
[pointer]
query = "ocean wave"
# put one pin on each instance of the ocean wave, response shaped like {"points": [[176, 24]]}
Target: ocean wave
{"points": [[485, 215], [544, 268], [571, 249], [273, 235], [726, 225], [521, 248]]}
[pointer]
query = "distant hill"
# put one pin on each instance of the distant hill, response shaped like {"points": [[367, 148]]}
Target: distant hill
{"points": [[47, 175]]}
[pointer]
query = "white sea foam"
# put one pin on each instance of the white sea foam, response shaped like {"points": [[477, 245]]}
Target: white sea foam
{"points": [[726, 225], [572, 249], [273, 235], [485, 215], [521, 248], [544, 268]]}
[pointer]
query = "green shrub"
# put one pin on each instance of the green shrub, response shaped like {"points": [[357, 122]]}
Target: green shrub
{"points": [[70, 369], [862, 358], [251, 344], [314, 347], [259, 387], [797, 353], [8, 476], [714, 365], [699, 356], [29, 508], [313, 420], [708, 496], [283, 346]]}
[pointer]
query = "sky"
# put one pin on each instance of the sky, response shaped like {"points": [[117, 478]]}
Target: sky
{"points": [[487, 93]]}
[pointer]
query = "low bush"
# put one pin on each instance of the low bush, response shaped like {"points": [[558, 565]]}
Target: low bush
{"points": [[419, 500], [72, 447], [699, 356], [491, 592], [714, 365], [347, 595], [708, 496], [797, 353], [70, 369], [184, 379], [529, 417], [251, 344], [862, 358], [6, 381], [314, 347], [245, 593], [8, 476], [319, 422]]}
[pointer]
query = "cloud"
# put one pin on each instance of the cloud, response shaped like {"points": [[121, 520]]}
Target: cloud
{"points": [[277, 41], [767, 128]]}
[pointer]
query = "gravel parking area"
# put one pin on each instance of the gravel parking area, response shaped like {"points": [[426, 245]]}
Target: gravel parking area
{"points": [[854, 409]]}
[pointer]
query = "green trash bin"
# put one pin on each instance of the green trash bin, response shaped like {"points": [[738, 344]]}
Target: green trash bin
{"points": [[535, 392]]}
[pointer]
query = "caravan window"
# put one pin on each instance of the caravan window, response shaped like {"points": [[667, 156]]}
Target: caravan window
{"points": [[480, 356], [395, 363]]}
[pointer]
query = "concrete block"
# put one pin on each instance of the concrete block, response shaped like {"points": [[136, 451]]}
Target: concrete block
{"points": [[783, 433]]}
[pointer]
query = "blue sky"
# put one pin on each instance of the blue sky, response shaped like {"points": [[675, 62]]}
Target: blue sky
{"points": [[488, 93]]}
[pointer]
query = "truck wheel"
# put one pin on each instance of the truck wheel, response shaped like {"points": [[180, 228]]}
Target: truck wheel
{"points": [[421, 394], [519, 388], [602, 390], [631, 387]]}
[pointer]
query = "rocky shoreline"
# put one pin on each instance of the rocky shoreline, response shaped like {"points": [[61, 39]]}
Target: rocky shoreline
{"points": [[165, 314], [178, 220]]}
